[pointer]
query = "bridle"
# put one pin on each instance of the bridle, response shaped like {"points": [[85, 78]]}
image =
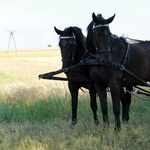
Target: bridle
{"points": [[113, 37], [94, 38], [74, 47]]}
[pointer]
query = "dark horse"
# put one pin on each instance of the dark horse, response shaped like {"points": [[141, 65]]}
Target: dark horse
{"points": [[73, 48], [117, 56]]}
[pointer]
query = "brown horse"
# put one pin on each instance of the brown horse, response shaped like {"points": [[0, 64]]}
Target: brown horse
{"points": [[112, 53]]}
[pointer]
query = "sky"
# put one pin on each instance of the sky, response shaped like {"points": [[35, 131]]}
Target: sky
{"points": [[32, 21]]}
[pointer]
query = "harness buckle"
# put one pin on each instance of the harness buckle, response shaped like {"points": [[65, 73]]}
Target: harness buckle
{"points": [[82, 62], [122, 67]]}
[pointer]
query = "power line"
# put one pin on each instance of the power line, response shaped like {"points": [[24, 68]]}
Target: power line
{"points": [[11, 36]]}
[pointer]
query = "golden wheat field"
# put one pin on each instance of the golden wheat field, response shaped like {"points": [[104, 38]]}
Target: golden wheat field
{"points": [[24, 66]]}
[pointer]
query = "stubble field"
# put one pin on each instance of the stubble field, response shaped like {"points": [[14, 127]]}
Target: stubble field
{"points": [[36, 114]]}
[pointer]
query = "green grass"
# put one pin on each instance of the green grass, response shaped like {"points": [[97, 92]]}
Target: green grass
{"points": [[45, 124], [35, 111]]}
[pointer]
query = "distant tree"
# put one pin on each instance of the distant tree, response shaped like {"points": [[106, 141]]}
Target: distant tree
{"points": [[49, 45]]}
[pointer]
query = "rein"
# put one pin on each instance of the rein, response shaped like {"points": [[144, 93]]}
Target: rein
{"points": [[147, 93], [122, 68], [92, 61], [139, 92], [68, 79], [49, 75]]}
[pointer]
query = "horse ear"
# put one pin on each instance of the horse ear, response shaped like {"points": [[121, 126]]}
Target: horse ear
{"points": [[57, 31], [109, 20], [71, 29], [94, 18]]}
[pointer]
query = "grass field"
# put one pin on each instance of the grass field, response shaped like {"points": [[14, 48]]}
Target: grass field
{"points": [[36, 114]]}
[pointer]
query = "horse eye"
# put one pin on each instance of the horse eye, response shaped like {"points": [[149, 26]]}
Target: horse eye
{"points": [[105, 32], [71, 42]]}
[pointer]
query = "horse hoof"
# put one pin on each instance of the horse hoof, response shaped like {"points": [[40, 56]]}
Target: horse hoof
{"points": [[125, 121], [117, 130], [96, 122], [74, 122]]}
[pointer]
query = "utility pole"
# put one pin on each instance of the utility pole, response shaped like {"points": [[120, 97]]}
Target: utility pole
{"points": [[11, 36]]}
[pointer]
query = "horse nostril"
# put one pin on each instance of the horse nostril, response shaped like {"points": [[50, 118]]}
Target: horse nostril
{"points": [[103, 61]]}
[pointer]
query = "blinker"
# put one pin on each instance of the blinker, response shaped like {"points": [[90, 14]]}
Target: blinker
{"points": [[64, 43]]}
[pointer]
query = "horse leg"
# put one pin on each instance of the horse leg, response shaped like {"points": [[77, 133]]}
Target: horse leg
{"points": [[74, 102], [126, 101], [103, 101], [115, 94], [93, 103]]}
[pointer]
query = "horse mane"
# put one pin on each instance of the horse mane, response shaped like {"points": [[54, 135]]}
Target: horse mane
{"points": [[89, 44], [90, 26], [79, 36]]}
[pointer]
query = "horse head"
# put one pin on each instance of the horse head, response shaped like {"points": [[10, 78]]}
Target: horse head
{"points": [[72, 44], [101, 37], [67, 45]]}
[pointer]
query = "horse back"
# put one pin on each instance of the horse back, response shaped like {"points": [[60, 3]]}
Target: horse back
{"points": [[139, 60]]}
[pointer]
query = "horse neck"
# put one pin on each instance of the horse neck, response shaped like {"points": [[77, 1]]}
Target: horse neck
{"points": [[80, 53], [89, 44], [119, 50]]}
